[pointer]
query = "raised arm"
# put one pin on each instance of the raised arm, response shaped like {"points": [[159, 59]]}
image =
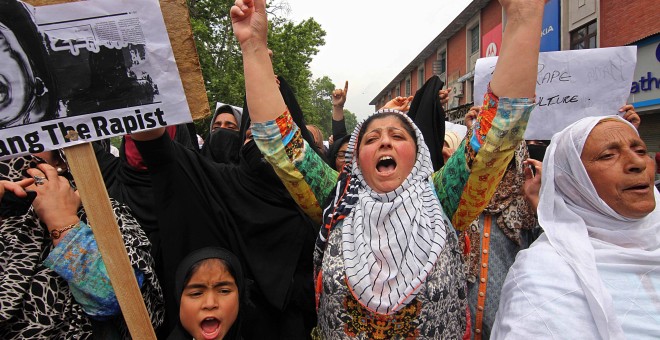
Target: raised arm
{"points": [[338, 101], [469, 179], [517, 65], [304, 173], [251, 29], [338, 123]]}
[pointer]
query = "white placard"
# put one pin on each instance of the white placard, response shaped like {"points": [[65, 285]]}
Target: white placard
{"points": [[109, 65], [571, 85], [461, 130]]}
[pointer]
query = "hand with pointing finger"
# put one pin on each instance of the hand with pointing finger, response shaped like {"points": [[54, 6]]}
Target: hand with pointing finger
{"points": [[339, 96]]}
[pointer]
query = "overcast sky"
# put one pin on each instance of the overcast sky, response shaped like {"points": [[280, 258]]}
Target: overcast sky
{"points": [[369, 42]]}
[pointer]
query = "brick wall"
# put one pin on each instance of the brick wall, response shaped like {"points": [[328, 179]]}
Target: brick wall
{"points": [[456, 58], [413, 81], [491, 16], [402, 87], [428, 66], [624, 22]]}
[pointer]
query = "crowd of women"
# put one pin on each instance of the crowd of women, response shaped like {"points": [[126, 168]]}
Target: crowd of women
{"points": [[396, 231]]}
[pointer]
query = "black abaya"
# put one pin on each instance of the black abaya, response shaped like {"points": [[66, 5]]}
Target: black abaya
{"points": [[427, 113], [243, 208]]}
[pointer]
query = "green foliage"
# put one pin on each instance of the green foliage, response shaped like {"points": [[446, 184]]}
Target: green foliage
{"points": [[116, 141], [203, 126], [293, 45], [350, 120], [218, 51], [320, 113]]}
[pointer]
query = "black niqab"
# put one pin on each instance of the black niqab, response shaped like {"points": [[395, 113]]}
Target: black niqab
{"points": [[223, 146], [429, 116]]}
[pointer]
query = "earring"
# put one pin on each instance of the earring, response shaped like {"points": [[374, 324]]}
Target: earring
{"points": [[59, 170]]}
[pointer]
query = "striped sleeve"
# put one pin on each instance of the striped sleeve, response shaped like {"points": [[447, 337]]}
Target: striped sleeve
{"points": [[306, 176]]}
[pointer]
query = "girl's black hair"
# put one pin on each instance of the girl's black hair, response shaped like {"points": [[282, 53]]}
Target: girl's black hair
{"points": [[195, 267]]}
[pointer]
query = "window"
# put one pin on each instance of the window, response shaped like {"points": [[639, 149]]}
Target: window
{"points": [[408, 89], [584, 37], [443, 62], [474, 39], [397, 91], [420, 77]]}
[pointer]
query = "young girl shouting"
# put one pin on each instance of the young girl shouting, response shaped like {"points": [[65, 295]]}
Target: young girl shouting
{"points": [[211, 290]]}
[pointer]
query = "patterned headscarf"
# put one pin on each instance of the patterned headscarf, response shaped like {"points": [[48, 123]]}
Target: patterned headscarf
{"points": [[390, 241]]}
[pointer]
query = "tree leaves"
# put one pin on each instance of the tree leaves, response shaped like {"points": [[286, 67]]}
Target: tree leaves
{"points": [[293, 44]]}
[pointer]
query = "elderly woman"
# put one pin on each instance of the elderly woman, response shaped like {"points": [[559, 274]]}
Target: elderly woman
{"points": [[387, 261], [594, 273]]}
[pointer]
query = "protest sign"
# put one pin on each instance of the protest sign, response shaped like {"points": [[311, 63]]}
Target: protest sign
{"points": [[461, 130], [177, 21], [106, 69], [571, 85], [100, 59]]}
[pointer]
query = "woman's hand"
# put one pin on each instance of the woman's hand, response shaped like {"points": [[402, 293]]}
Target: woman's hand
{"points": [[56, 203], [339, 96], [399, 103], [630, 115], [248, 19], [471, 116], [444, 95], [18, 188]]}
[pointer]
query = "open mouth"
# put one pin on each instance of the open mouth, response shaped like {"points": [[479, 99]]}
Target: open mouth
{"points": [[210, 328], [4, 90], [638, 187], [386, 165]]}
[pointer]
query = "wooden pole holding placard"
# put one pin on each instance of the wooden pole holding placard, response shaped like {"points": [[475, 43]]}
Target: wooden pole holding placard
{"points": [[98, 208]]}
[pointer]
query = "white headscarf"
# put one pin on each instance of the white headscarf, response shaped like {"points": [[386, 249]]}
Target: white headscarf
{"points": [[391, 241], [573, 216]]}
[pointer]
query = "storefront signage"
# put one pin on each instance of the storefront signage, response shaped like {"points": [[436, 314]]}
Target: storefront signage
{"points": [[645, 88], [550, 30]]}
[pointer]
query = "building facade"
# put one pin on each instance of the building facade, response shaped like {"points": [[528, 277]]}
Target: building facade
{"points": [[568, 24]]}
